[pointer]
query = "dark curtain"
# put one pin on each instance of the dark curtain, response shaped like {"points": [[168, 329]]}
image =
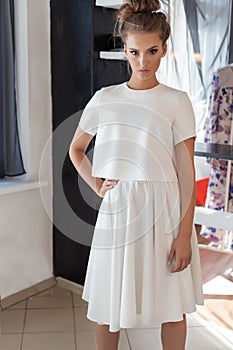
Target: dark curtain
{"points": [[11, 163], [231, 38]]}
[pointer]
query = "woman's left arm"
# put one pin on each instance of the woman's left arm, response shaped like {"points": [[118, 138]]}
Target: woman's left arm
{"points": [[181, 246]]}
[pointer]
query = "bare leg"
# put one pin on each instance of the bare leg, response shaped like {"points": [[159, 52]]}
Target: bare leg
{"points": [[173, 335], [106, 340]]}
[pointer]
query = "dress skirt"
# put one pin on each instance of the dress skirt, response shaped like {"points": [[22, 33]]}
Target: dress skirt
{"points": [[128, 281]]}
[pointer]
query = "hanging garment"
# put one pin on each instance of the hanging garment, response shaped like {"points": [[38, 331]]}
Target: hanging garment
{"points": [[217, 130]]}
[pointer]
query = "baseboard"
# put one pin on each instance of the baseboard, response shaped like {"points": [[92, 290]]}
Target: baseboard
{"points": [[72, 286], [27, 293], [38, 288]]}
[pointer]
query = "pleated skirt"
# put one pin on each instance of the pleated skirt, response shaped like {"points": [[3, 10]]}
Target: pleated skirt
{"points": [[128, 281]]}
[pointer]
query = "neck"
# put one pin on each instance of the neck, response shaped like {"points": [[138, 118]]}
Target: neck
{"points": [[143, 84]]}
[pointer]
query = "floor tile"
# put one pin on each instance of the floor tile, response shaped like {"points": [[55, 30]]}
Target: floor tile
{"points": [[61, 292], [207, 338], [123, 343], [10, 341], [47, 302], [217, 312], [78, 301], [81, 321], [12, 321], [86, 340], [19, 306], [46, 293], [218, 286], [193, 320], [55, 291], [225, 332], [145, 339], [49, 320], [49, 341]]}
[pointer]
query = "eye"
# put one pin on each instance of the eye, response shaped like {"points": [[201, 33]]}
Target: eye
{"points": [[153, 51], [134, 53]]}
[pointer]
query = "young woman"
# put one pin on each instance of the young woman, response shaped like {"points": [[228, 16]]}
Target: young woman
{"points": [[144, 265]]}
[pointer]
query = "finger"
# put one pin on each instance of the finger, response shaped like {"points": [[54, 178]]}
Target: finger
{"points": [[110, 182], [184, 265], [171, 256], [115, 182], [177, 266], [109, 185]]}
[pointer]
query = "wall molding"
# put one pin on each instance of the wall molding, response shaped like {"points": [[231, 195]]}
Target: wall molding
{"points": [[72, 286], [27, 293]]}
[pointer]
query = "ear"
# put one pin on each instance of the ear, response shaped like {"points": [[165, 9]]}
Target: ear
{"points": [[125, 51], [164, 49]]}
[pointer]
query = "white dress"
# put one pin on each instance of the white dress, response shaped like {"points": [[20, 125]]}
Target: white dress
{"points": [[128, 281]]}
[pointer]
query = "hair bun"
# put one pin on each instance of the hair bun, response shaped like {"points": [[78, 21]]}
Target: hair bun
{"points": [[155, 19], [131, 7], [162, 14], [144, 5]]}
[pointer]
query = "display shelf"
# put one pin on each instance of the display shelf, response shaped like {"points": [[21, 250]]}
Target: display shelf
{"points": [[214, 218], [210, 217], [112, 55], [214, 150], [215, 249], [217, 219], [114, 4]]}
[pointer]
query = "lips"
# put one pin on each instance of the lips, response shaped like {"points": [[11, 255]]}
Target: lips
{"points": [[144, 70]]}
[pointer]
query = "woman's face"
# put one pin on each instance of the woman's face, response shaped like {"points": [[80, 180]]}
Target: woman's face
{"points": [[144, 52]]}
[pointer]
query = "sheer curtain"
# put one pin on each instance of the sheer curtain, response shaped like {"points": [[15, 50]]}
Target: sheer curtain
{"points": [[199, 45], [11, 163]]}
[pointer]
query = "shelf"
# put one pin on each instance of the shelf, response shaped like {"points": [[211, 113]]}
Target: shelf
{"points": [[114, 4], [210, 217], [215, 249], [112, 55], [213, 218], [214, 150], [217, 219]]}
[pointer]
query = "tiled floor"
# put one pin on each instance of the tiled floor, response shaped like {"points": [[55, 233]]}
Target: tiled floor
{"points": [[56, 320]]}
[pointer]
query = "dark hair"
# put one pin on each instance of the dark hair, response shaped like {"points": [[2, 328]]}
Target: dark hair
{"points": [[141, 16]]}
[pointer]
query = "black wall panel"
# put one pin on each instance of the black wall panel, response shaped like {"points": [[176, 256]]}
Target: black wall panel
{"points": [[79, 30]]}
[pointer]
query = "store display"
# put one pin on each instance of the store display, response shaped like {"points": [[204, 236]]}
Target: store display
{"points": [[219, 130]]}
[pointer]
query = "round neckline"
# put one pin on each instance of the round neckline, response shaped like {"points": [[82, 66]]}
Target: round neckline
{"points": [[140, 91]]}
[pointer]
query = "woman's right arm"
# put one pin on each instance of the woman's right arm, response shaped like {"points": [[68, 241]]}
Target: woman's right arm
{"points": [[82, 164], [79, 159]]}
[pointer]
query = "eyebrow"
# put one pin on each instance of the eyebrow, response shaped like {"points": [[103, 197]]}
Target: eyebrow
{"points": [[131, 48]]}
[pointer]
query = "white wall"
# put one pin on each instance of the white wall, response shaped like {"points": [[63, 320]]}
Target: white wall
{"points": [[25, 228]]}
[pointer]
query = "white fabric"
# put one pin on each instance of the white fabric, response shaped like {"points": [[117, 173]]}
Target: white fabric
{"points": [[136, 131], [128, 281]]}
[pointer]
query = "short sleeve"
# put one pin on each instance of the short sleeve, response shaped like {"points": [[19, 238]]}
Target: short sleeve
{"points": [[184, 120], [89, 120]]}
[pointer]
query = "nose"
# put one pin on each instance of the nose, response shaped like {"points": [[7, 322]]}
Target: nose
{"points": [[143, 60]]}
